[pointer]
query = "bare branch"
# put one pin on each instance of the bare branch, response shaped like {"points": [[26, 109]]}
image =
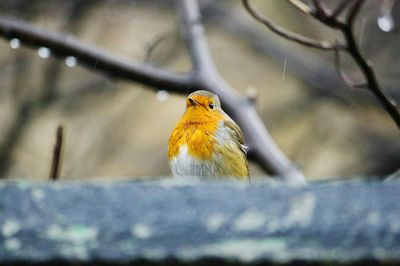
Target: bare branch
{"points": [[301, 6], [372, 83], [62, 46], [322, 15], [195, 40], [323, 45], [57, 154], [354, 12], [340, 8], [262, 148], [349, 82], [319, 7], [205, 76]]}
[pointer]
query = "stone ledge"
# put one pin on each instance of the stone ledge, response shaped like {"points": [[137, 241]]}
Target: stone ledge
{"points": [[158, 223]]}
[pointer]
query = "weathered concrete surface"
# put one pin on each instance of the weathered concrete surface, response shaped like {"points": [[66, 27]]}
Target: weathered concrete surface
{"points": [[217, 223]]}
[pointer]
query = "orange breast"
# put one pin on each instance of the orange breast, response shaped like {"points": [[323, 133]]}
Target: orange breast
{"points": [[196, 129]]}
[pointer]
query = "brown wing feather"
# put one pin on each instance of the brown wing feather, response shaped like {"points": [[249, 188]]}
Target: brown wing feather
{"points": [[238, 135]]}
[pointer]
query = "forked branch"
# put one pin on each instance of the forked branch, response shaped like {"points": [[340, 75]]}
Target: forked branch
{"points": [[331, 19], [323, 45], [263, 149]]}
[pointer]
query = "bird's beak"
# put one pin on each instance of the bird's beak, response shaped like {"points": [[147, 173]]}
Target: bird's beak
{"points": [[192, 101]]}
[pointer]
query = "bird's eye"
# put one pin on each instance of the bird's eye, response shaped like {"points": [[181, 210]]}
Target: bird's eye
{"points": [[211, 105]]}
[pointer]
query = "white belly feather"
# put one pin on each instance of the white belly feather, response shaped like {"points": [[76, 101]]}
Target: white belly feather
{"points": [[185, 164]]}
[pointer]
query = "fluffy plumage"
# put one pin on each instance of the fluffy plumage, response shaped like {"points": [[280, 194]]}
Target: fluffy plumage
{"points": [[206, 142]]}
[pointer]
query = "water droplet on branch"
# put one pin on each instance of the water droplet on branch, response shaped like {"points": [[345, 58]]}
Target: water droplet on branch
{"points": [[44, 52], [71, 61], [385, 18], [386, 23], [162, 95], [15, 43]]}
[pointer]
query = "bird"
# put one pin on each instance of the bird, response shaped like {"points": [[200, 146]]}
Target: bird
{"points": [[206, 142]]}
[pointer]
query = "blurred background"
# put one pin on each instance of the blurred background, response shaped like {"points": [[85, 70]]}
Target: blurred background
{"points": [[116, 129]]}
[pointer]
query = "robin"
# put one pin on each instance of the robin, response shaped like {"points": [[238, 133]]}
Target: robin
{"points": [[206, 142]]}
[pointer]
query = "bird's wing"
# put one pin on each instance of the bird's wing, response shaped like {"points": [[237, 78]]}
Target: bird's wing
{"points": [[236, 133]]}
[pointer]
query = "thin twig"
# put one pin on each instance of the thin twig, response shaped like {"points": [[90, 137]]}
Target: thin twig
{"points": [[301, 6], [354, 12], [154, 44], [350, 46], [373, 85], [346, 79], [319, 7], [57, 154], [111, 64], [340, 8], [323, 45]]}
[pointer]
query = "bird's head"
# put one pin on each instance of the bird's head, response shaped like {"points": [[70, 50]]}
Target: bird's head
{"points": [[203, 99]]}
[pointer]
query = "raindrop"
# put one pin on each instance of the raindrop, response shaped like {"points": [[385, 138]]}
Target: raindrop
{"points": [[284, 69], [71, 61], [385, 18], [386, 23], [162, 95], [44, 52], [95, 64], [15, 43]]}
